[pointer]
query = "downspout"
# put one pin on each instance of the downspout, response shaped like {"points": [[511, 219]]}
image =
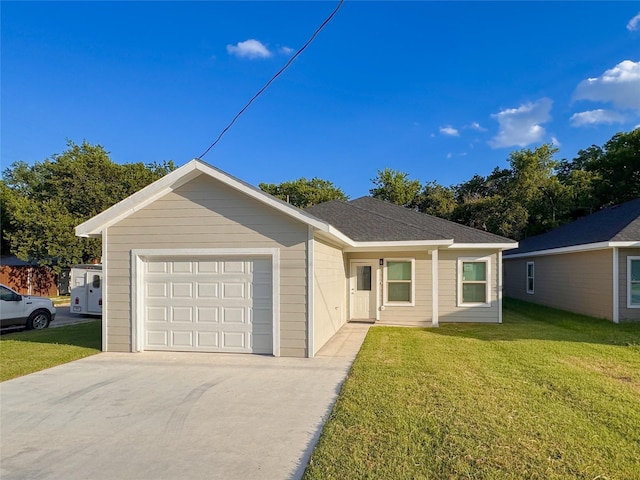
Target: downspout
{"points": [[434, 288], [499, 280], [616, 286], [105, 304], [310, 294]]}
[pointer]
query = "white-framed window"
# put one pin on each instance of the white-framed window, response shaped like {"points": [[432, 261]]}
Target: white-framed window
{"points": [[474, 281], [399, 281], [531, 277], [633, 282]]}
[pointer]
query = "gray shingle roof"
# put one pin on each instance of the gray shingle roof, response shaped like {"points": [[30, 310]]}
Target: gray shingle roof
{"points": [[620, 223], [367, 219]]}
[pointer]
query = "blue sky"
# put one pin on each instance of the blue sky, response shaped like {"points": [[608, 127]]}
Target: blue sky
{"points": [[440, 90]]}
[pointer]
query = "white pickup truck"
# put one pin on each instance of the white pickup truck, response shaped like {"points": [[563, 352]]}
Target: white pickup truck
{"points": [[28, 310]]}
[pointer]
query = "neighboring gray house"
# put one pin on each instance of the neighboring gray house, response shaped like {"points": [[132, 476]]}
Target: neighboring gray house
{"points": [[201, 261], [590, 266]]}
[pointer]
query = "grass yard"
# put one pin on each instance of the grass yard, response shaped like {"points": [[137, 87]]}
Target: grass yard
{"points": [[22, 353], [545, 395]]}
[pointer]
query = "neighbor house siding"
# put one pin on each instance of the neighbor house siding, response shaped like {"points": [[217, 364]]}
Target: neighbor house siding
{"points": [[205, 213], [580, 282], [448, 308], [624, 312], [421, 311], [330, 291]]}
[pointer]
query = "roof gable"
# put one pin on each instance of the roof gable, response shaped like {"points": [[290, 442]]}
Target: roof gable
{"points": [[620, 223], [121, 210]]}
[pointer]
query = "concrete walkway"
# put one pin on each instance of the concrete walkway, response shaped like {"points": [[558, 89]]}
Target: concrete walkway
{"points": [[172, 415]]}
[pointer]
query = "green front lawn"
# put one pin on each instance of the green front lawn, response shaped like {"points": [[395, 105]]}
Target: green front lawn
{"points": [[546, 395], [22, 353]]}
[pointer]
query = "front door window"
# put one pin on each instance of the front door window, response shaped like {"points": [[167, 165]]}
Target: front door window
{"points": [[364, 278]]}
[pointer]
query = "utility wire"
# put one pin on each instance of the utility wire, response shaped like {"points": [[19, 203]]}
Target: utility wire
{"points": [[302, 49]]}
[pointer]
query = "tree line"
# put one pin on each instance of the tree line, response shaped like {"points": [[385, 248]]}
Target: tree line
{"points": [[42, 203], [535, 194]]}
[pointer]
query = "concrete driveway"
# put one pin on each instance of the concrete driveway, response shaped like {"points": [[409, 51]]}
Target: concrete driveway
{"points": [[172, 415]]}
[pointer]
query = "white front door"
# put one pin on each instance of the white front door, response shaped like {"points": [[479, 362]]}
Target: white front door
{"points": [[364, 275]]}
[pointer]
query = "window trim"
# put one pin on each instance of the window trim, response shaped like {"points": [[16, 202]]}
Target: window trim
{"points": [[385, 301], [531, 291], [487, 261], [630, 259]]}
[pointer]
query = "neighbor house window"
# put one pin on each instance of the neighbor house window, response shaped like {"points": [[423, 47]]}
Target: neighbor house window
{"points": [[473, 281], [633, 282], [399, 282], [530, 277]]}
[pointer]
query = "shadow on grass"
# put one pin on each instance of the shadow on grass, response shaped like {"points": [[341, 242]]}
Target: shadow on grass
{"points": [[87, 335], [523, 320]]}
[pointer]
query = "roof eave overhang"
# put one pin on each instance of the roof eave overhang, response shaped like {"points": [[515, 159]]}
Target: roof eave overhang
{"points": [[396, 246], [587, 247], [121, 210], [485, 246]]}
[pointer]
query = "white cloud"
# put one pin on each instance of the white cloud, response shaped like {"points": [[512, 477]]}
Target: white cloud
{"points": [[286, 50], [521, 126], [478, 127], [555, 142], [595, 117], [449, 155], [249, 49], [619, 85], [634, 23], [449, 130]]}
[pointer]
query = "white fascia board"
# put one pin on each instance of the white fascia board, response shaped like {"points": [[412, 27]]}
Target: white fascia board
{"points": [[624, 244], [397, 246], [485, 246], [94, 226], [573, 249]]}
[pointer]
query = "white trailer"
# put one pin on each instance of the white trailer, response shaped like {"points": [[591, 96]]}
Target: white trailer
{"points": [[86, 289]]}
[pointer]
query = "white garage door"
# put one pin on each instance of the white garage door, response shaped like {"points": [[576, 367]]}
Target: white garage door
{"points": [[208, 305]]}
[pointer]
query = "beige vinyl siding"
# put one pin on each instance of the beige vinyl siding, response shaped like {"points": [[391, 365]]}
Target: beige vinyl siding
{"points": [[580, 282], [330, 292], [421, 311], [448, 309], [205, 213], [624, 312]]}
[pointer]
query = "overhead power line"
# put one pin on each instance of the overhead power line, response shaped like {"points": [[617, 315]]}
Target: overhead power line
{"points": [[302, 49]]}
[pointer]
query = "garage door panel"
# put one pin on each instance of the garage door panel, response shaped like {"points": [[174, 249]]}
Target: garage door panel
{"points": [[208, 340], [234, 290], [181, 339], [235, 340], [207, 266], [208, 290], [178, 267], [237, 266], [156, 290], [209, 304], [182, 290], [235, 315], [182, 315], [157, 267], [157, 338], [207, 315], [157, 314]]}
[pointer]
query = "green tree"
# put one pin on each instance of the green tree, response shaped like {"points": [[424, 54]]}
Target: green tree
{"points": [[437, 200], [395, 186], [304, 193], [43, 202], [534, 185]]}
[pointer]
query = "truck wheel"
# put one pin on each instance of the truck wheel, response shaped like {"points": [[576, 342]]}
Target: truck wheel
{"points": [[38, 320]]}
